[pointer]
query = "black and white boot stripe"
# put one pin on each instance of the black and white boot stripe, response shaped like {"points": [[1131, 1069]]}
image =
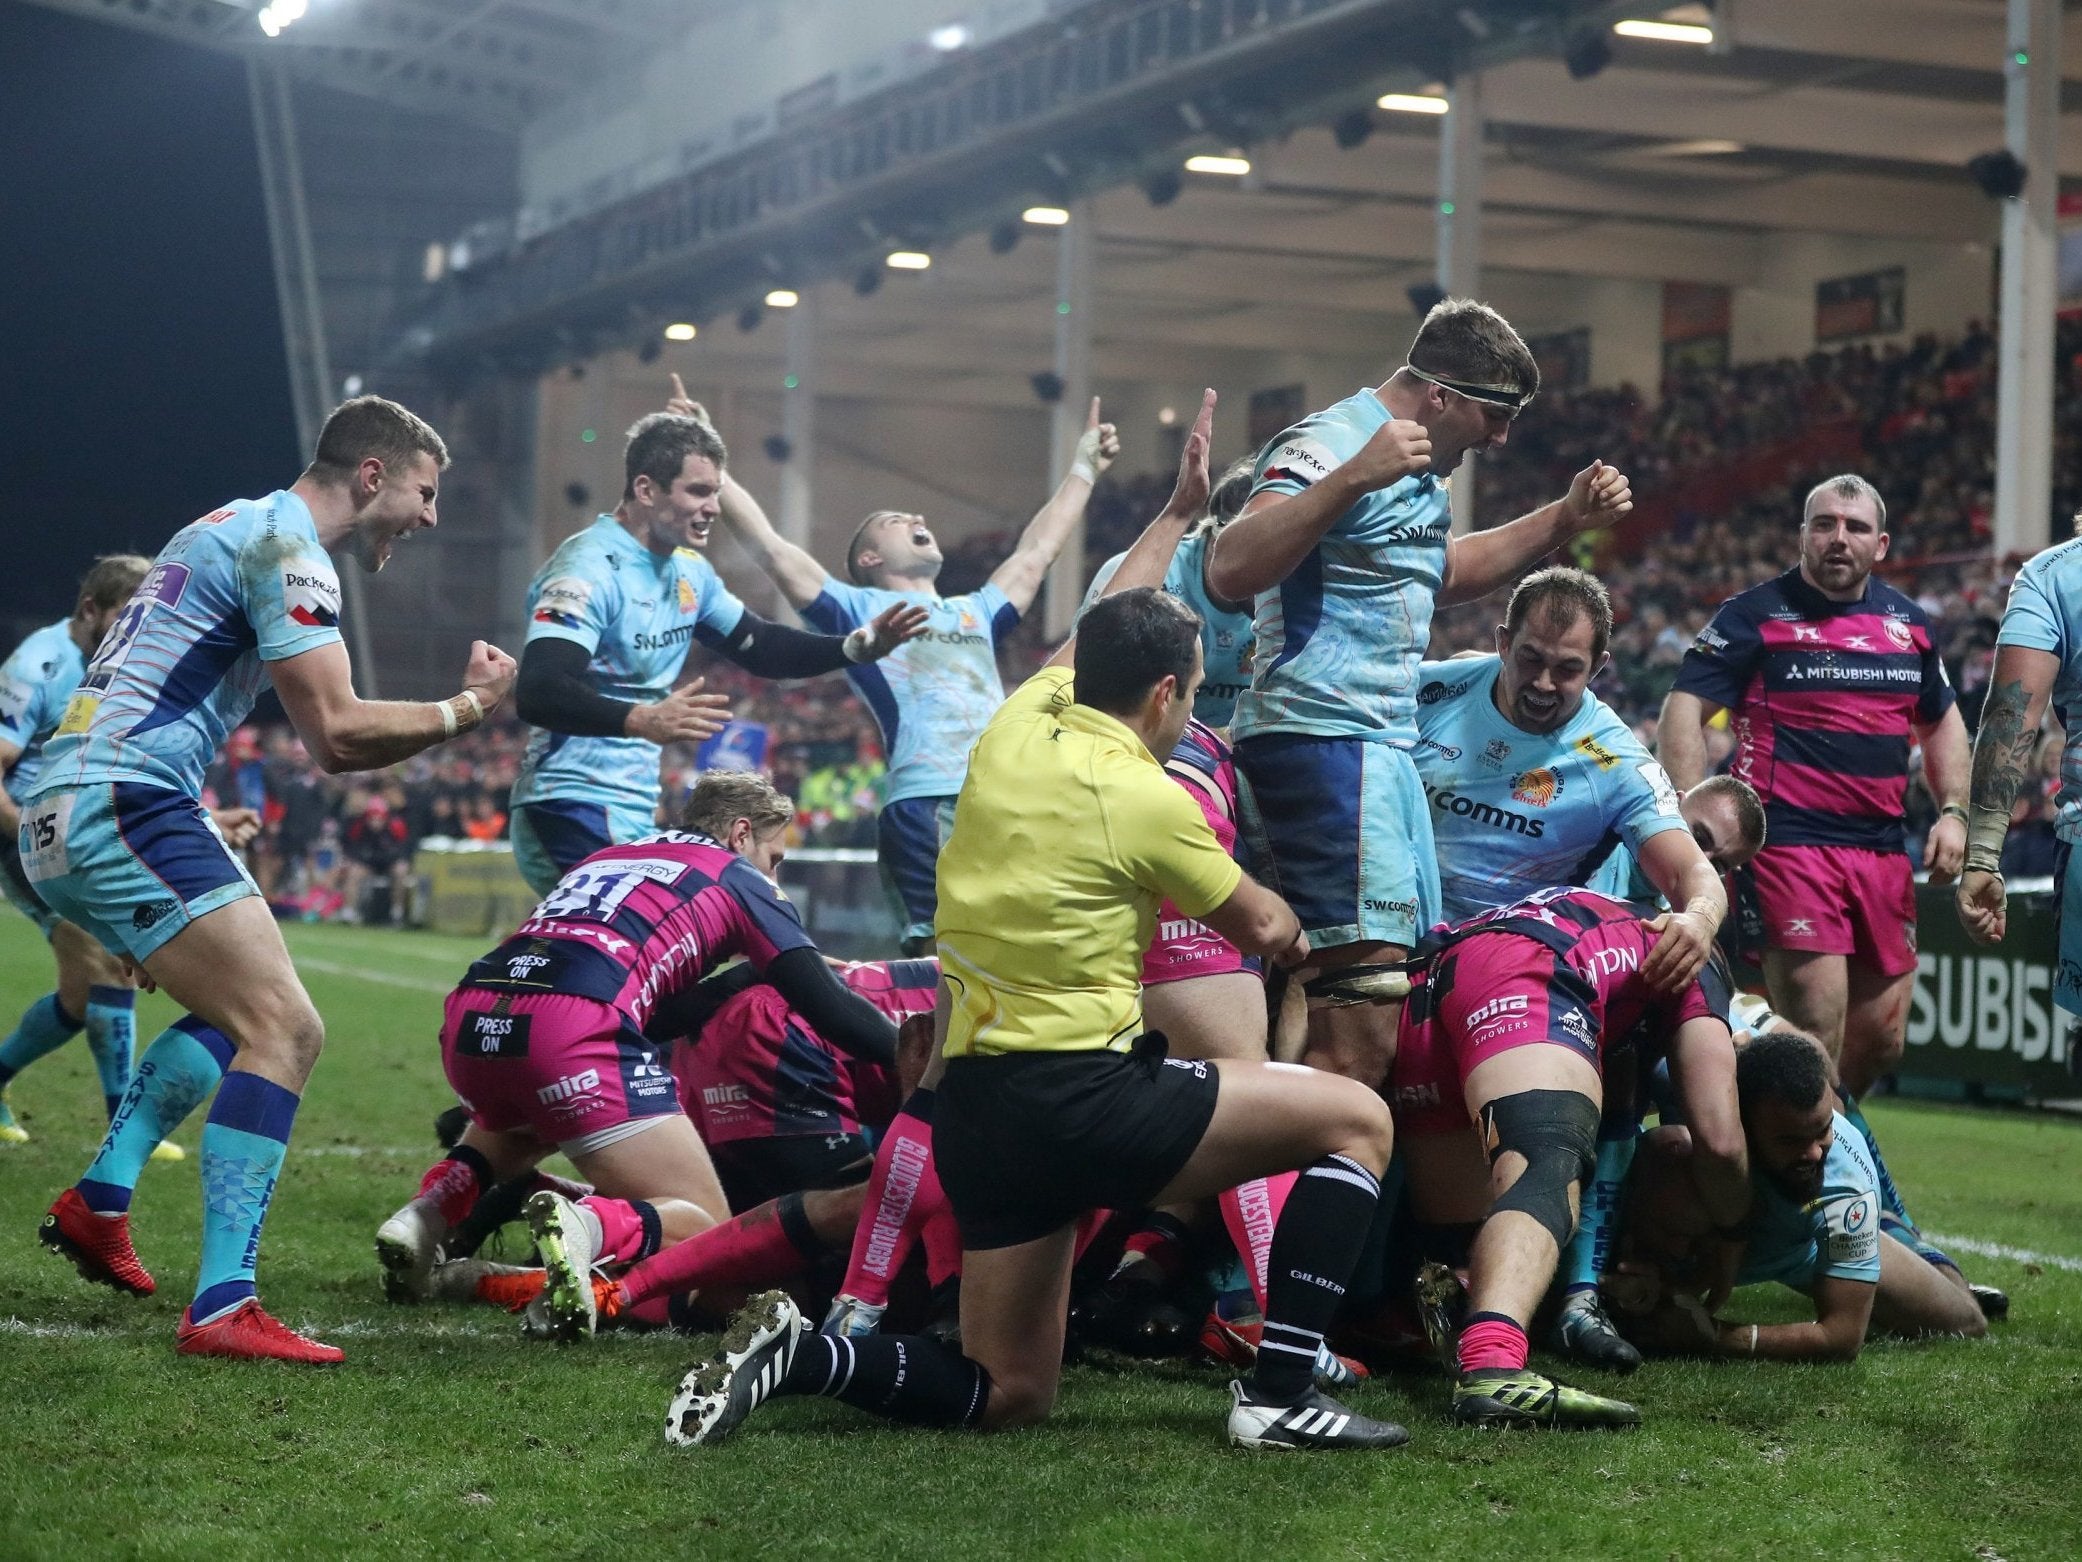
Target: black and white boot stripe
{"points": [[1313, 1421]]}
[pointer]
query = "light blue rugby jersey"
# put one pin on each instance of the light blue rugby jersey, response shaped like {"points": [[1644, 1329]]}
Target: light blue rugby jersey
{"points": [[244, 586], [1226, 638], [36, 681], [636, 613], [1837, 1233], [1339, 640], [2045, 614], [933, 697], [1513, 811]]}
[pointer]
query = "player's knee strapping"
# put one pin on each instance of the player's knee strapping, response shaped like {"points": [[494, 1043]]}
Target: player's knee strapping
{"points": [[1557, 1133]]}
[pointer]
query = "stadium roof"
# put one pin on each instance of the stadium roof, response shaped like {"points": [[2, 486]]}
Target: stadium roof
{"points": [[1668, 160]]}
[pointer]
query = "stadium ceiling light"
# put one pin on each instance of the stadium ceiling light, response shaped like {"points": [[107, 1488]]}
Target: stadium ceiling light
{"points": [[1665, 32], [949, 38], [1705, 146], [1233, 166], [907, 260], [680, 331], [783, 298], [1045, 216], [280, 13], [1411, 103]]}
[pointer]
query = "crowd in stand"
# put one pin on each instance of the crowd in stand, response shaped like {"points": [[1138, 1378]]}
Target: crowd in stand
{"points": [[1721, 460]]}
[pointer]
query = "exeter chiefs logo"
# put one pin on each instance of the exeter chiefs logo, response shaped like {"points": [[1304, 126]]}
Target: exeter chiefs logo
{"points": [[1536, 787], [686, 595]]}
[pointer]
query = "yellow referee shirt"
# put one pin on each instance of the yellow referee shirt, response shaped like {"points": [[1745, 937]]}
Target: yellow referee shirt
{"points": [[1067, 836]]}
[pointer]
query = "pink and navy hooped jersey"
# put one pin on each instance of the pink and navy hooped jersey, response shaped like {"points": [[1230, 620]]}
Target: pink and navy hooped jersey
{"points": [[1207, 753], [1825, 697], [1598, 995], [633, 923], [759, 1071]]}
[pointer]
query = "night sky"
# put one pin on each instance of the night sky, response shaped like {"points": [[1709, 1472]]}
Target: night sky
{"points": [[141, 372]]}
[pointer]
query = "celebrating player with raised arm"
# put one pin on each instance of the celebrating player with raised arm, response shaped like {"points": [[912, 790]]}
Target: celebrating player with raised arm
{"points": [[1053, 1100], [610, 618], [1344, 550], [931, 698], [115, 840]]}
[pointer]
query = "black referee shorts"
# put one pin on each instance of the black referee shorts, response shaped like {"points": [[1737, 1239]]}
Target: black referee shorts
{"points": [[1025, 1144]]}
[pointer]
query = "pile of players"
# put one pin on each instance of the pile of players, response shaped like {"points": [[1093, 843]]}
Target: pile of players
{"points": [[1479, 912]]}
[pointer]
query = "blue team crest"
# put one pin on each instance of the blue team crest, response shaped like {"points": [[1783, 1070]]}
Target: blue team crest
{"points": [[741, 745], [687, 598]]}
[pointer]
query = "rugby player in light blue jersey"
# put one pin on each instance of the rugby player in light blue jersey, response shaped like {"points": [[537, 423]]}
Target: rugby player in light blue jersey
{"points": [[1226, 635], [1343, 549], [114, 839], [1813, 1225], [933, 698], [1533, 781], [2038, 656], [611, 616], [35, 684]]}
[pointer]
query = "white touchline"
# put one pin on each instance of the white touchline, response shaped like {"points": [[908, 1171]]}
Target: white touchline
{"points": [[2022, 1255], [386, 978]]}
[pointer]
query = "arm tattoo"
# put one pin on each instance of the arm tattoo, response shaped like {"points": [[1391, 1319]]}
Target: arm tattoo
{"points": [[2002, 757]]}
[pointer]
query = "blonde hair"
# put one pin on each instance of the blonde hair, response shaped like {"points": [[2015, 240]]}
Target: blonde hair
{"points": [[722, 797], [114, 579]]}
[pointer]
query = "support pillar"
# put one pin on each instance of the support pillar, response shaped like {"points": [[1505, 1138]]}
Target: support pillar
{"points": [[1460, 234], [312, 390], [1073, 365], [799, 424], [2030, 282]]}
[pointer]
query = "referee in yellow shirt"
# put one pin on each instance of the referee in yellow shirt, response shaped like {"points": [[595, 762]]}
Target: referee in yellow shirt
{"points": [[1067, 835]]}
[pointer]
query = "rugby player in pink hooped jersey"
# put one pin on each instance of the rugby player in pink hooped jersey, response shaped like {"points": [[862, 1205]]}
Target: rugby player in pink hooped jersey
{"points": [[1831, 676], [544, 1038]]}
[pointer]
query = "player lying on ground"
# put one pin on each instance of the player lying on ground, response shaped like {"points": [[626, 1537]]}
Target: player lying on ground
{"points": [[544, 1038], [1813, 1225], [116, 841], [1521, 1017], [1725, 821], [1054, 1102]]}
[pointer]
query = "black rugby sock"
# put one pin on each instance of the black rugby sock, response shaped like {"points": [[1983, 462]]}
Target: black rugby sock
{"points": [[1314, 1247], [905, 1377]]}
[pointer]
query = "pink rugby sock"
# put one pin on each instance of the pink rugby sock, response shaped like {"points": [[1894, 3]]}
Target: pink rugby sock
{"points": [[901, 1192], [1251, 1210], [763, 1245]]}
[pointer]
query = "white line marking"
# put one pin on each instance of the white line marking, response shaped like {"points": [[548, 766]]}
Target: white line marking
{"points": [[363, 973], [2021, 1255], [357, 1151], [406, 947]]}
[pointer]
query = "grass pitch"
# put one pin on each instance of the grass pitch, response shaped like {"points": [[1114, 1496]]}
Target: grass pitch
{"points": [[445, 1435]]}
